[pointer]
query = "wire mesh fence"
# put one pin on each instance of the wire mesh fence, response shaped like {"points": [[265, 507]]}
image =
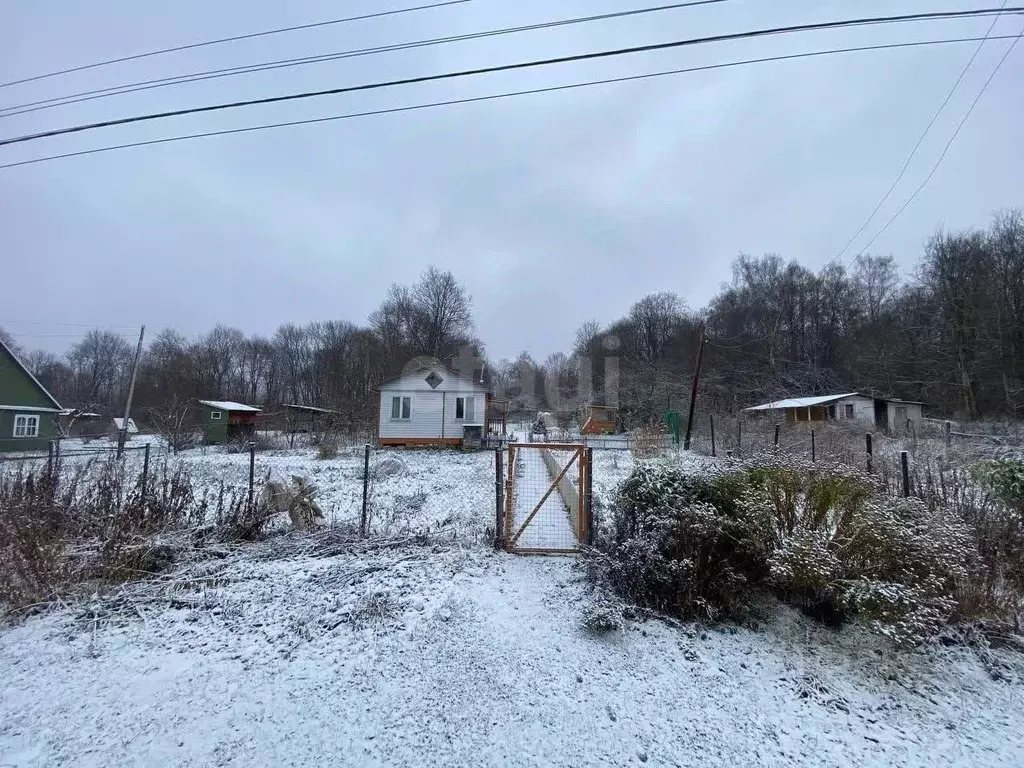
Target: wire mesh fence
{"points": [[545, 498]]}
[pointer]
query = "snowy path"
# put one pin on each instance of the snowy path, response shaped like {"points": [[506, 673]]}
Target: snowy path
{"points": [[551, 527], [484, 665]]}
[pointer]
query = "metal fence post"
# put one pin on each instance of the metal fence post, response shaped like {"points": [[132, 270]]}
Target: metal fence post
{"points": [[252, 472], [776, 441], [499, 500], [814, 456], [904, 465], [366, 490], [739, 436], [145, 471], [49, 460], [711, 417], [867, 445]]}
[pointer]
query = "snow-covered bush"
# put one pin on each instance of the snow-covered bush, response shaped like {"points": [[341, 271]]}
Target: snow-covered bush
{"points": [[670, 548], [820, 536], [1004, 479]]}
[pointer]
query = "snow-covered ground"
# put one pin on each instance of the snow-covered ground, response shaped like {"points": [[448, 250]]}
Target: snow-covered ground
{"points": [[449, 654]]}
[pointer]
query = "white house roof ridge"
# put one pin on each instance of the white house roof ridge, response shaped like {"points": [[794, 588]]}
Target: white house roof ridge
{"points": [[230, 405], [119, 424], [801, 402]]}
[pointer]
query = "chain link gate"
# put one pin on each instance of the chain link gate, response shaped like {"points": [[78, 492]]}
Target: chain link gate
{"points": [[547, 498]]}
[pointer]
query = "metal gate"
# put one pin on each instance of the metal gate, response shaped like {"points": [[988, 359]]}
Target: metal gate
{"points": [[547, 498]]}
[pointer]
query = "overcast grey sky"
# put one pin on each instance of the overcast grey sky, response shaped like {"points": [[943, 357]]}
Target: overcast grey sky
{"points": [[551, 208]]}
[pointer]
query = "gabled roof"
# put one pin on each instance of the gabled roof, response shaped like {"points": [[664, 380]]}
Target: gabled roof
{"points": [[119, 424], [801, 402], [230, 405], [425, 370], [28, 373]]}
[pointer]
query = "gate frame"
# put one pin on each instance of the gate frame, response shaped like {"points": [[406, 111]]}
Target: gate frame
{"points": [[579, 454]]}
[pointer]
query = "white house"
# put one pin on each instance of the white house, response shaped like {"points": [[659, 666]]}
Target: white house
{"points": [[885, 413], [430, 405]]}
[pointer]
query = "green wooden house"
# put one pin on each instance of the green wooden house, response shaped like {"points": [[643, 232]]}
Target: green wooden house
{"points": [[224, 421], [28, 413]]}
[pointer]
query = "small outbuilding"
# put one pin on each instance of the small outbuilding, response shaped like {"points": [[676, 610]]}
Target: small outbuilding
{"points": [[885, 413], [117, 424], [224, 421], [28, 413], [431, 405], [597, 419]]}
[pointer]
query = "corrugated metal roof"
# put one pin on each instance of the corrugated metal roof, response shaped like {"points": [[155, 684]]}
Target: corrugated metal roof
{"points": [[229, 405], [801, 402]]}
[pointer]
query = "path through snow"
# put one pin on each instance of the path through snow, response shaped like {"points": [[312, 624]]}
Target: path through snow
{"points": [[551, 527]]}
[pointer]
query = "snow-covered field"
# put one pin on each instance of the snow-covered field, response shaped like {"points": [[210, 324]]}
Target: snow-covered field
{"points": [[450, 654]]}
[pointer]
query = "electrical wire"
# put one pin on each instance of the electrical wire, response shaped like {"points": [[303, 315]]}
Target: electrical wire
{"points": [[493, 97], [234, 38], [917, 146], [212, 74], [970, 110], [532, 64]]}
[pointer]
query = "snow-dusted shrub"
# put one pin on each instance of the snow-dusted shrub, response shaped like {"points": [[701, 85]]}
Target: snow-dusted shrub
{"points": [[603, 614], [1004, 479], [820, 536], [389, 466], [669, 547]]}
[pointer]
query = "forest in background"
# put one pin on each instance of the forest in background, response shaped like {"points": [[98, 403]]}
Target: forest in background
{"points": [[951, 335]]}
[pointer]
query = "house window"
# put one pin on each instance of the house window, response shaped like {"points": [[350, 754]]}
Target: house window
{"points": [[401, 407], [848, 410], [464, 408], [215, 415], [26, 426]]}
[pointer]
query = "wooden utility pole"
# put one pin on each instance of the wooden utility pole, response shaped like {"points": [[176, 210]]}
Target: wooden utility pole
{"points": [[693, 391], [122, 434]]}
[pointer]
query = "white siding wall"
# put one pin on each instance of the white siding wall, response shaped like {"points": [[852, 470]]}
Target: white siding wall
{"points": [[863, 409], [424, 420], [453, 426], [427, 407]]}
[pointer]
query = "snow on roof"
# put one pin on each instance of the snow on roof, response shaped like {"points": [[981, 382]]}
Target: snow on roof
{"points": [[801, 402], [119, 424], [310, 408], [230, 405]]}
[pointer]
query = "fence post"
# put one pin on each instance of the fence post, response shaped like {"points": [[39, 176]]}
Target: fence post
{"points": [[904, 464], [776, 442], [366, 489], [252, 472], [588, 497], [867, 446], [739, 436], [814, 456], [49, 460], [499, 500], [949, 434], [711, 417], [145, 471]]}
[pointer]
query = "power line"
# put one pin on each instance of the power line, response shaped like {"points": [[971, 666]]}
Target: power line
{"points": [[945, 150], [493, 97], [917, 146], [509, 67], [232, 39], [192, 77]]}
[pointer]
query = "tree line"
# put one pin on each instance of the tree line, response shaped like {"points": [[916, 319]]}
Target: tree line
{"points": [[951, 335]]}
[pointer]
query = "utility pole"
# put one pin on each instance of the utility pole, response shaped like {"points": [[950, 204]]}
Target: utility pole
{"points": [[122, 433], [693, 390]]}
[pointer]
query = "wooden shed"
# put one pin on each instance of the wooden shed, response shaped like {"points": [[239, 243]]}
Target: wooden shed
{"points": [[597, 419], [884, 412], [224, 421]]}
